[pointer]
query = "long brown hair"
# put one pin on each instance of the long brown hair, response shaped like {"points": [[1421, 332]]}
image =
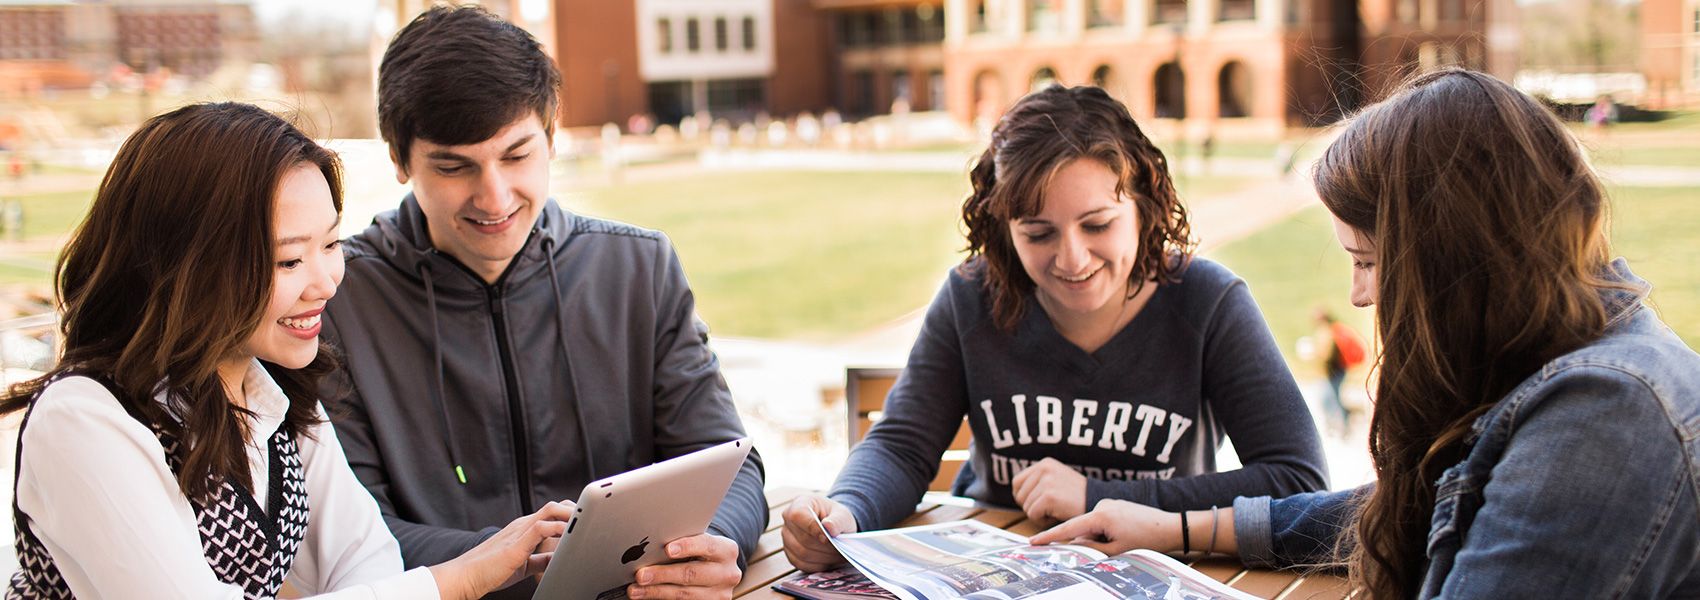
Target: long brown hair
{"points": [[1039, 135], [1487, 227], [171, 273]]}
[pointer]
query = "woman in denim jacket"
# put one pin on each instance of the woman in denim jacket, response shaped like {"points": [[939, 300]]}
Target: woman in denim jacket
{"points": [[1537, 428]]}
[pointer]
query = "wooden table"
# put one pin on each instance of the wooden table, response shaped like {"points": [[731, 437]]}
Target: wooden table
{"points": [[768, 563]]}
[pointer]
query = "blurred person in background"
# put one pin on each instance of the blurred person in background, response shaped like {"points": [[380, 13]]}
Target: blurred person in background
{"points": [[1345, 351]]}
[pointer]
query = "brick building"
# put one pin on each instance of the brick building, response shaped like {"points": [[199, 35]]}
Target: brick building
{"points": [[1670, 52], [672, 58], [1251, 66], [65, 44], [1248, 65]]}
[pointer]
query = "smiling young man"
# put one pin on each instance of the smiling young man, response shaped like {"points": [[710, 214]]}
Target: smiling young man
{"points": [[499, 352]]}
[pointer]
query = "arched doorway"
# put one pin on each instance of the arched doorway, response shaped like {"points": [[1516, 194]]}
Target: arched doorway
{"points": [[1041, 78], [1106, 77], [1170, 86], [1233, 90]]}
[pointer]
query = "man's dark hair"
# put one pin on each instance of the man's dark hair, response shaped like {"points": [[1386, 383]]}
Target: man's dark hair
{"points": [[457, 75]]}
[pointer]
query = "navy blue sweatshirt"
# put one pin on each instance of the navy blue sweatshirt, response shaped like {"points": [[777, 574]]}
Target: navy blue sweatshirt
{"points": [[1142, 418]]}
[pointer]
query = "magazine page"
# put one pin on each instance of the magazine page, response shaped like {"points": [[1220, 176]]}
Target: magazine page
{"points": [[838, 584], [950, 560], [1137, 575]]}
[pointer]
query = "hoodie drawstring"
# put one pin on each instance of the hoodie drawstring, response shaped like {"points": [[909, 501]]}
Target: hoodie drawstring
{"points": [[561, 340], [437, 355]]}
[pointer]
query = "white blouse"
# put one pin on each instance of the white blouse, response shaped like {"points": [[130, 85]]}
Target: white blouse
{"points": [[97, 491]]}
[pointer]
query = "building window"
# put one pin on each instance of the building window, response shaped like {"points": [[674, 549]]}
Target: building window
{"points": [[750, 34], [1236, 10], [862, 95], [743, 97], [1233, 91], [1105, 13], [908, 25], [32, 34], [1104, 77], [1043, 77], [721, 37], [935, 91], [977, 16], [868, 28], [693, 37], [901, 88], [1170, 91], [1697, 20], [1167, 12], [1451, 10], [932, 23], [1044, 16], [664, 31]]}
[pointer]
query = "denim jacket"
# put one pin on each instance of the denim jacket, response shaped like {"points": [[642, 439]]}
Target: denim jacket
{"points": [[1580, 483]]}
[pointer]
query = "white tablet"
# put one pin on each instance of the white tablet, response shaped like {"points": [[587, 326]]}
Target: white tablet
{"points": [[625, 522]]}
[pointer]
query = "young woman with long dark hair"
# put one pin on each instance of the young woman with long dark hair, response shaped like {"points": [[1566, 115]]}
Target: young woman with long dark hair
{"points": [[179, 450], [1534, 427], [1093, 356]]}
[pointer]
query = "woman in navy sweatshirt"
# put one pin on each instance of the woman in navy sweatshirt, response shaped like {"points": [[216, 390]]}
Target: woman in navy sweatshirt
{"points": [[1092, 354]]}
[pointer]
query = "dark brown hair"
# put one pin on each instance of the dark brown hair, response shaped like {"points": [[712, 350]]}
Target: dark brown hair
{"points": [[458, 75], [1043, 132], [1487, 227], [171, 273]]}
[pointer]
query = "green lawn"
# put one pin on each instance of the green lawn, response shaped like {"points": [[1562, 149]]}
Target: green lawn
{"points": [[33, 269], [55, 214], [1295, 266], [44, 215], [800, 255], [1654, 229], [1654, 155]]}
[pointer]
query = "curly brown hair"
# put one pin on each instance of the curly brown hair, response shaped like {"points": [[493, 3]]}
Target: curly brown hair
{"points": [[1043, 132]]}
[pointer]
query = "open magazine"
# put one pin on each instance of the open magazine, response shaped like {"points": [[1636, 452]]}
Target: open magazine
{"points": [[975, 561]]}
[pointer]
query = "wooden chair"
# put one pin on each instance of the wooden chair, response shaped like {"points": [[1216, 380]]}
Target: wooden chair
{"points": [[865, 390]]}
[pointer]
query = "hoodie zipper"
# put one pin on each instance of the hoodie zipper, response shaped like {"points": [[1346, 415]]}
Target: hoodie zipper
{"points": [[516, 408]]}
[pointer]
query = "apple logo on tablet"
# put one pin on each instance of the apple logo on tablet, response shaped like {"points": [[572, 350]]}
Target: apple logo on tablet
{"points": [[635, 552]]}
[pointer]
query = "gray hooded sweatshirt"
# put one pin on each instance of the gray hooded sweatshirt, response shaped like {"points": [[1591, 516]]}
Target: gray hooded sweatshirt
{"points": [[465, 405]]}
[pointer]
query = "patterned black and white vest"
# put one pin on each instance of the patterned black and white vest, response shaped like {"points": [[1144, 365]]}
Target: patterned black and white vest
{"points": [[246, 545]]}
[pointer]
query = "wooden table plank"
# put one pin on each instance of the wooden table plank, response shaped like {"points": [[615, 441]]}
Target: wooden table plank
{"points": [[1001, 519], [763, 573], [1219, 568], [1318, 586], [765, 593], [1026, 527], [935, 514], [767, 545], [1264, 584]]}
